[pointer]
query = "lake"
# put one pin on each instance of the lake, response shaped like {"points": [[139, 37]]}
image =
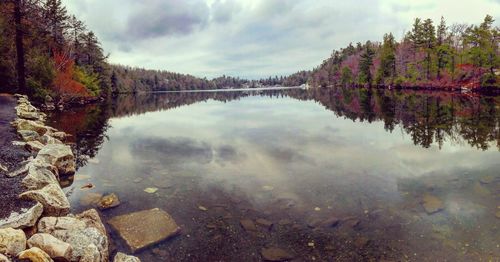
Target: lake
{"points": [[325, 174]]}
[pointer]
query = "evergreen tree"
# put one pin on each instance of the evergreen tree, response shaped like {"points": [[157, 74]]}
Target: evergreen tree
{"points": [[387, 67], [56, 19], [429, 41], [365, 63]]}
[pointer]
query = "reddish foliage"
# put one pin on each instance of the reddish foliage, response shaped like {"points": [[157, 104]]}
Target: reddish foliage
{"points": [[64, 84]]}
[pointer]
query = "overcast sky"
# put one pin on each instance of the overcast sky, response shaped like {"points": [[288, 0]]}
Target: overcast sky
{"points": [[253, 38]]}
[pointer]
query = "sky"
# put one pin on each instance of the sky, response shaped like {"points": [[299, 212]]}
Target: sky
{"points": [[254, 38]]}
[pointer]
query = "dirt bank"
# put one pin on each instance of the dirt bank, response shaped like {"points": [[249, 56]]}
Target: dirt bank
{"points": [[10, 157]]}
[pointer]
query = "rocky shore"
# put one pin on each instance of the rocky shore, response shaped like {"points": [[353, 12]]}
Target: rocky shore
{"points": [[43, 229]]}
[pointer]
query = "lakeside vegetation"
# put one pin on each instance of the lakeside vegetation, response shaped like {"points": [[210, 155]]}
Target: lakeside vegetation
{"points": [[49, 54], [441, 56]]}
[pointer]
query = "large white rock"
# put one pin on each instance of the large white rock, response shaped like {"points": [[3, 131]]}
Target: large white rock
{"points": [[47, 139], [53, 199], [90, 254], [12, 241], [60, 156], [37, 126], [33, 146], [121, 257], [24, 218], [54, 247], [4, 258], [35, 254], [60, 227], [85, 233], [28, 135], [40, 174]]}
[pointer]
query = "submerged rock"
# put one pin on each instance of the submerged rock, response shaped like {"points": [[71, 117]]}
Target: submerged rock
{"points": [[121, 257], [144, 228], [264, 222], [35, 254], [53, 199], [151, 190], [60, 156], [275, 254], [12, 241], [248, 225], [90, 199], [26, 218], [432, 204], [487, 179], [54, 247], [109, 201]]}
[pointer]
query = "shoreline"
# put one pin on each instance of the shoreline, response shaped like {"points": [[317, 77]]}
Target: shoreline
{"points": [[45, 230]]}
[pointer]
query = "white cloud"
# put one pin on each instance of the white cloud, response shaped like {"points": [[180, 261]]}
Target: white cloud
{"points": [[253, 38]]}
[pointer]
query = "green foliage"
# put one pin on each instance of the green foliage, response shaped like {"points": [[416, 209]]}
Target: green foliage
{"points": [[490, 80], [41, 73], [89, 80], [365, 75], [387, 67], [347, 77]]}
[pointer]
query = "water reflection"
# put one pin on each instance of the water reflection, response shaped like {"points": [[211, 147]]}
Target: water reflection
{"points": [[297, 159]]}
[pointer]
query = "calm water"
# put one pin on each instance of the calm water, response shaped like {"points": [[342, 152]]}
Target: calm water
{"points": [[295, 158]]}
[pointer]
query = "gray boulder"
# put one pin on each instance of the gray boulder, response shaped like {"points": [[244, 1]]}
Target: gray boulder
{"points": [[54, 247], [12, 241], [60, 156], [28, 135], [23, 219], [39, 175], [53, 199], [121, 257]]}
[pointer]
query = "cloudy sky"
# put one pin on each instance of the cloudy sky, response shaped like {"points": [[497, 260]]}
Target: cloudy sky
{"points": [[253, 38]]}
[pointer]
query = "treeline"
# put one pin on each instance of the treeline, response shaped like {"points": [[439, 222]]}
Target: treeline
{"points": [[49, 54], [125, 79], [441, 56]]}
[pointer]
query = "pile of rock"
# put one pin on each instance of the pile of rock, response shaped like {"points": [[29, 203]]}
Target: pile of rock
{"points": [[47, 231]]}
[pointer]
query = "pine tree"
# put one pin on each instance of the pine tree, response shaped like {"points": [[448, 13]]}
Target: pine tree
{"points": [[429, 41], [56, 19], [443, 49], [365, 63], [387, 67]]}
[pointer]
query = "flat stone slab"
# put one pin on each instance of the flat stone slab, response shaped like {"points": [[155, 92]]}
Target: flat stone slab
{"points": [[144, 228]]}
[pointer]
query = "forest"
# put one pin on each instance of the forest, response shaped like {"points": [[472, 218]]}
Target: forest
{"points": [[49, 54], [429, 56]]}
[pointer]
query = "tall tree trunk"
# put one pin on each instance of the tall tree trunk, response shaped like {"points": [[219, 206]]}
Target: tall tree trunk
{"points": [[21, 78]]}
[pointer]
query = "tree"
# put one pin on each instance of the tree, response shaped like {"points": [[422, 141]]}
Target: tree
{"points": [[387, 67], [366, 61], [416, 36], [56, 19], [429, 40], [21, 75], [346, 78], [443, 48]]}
